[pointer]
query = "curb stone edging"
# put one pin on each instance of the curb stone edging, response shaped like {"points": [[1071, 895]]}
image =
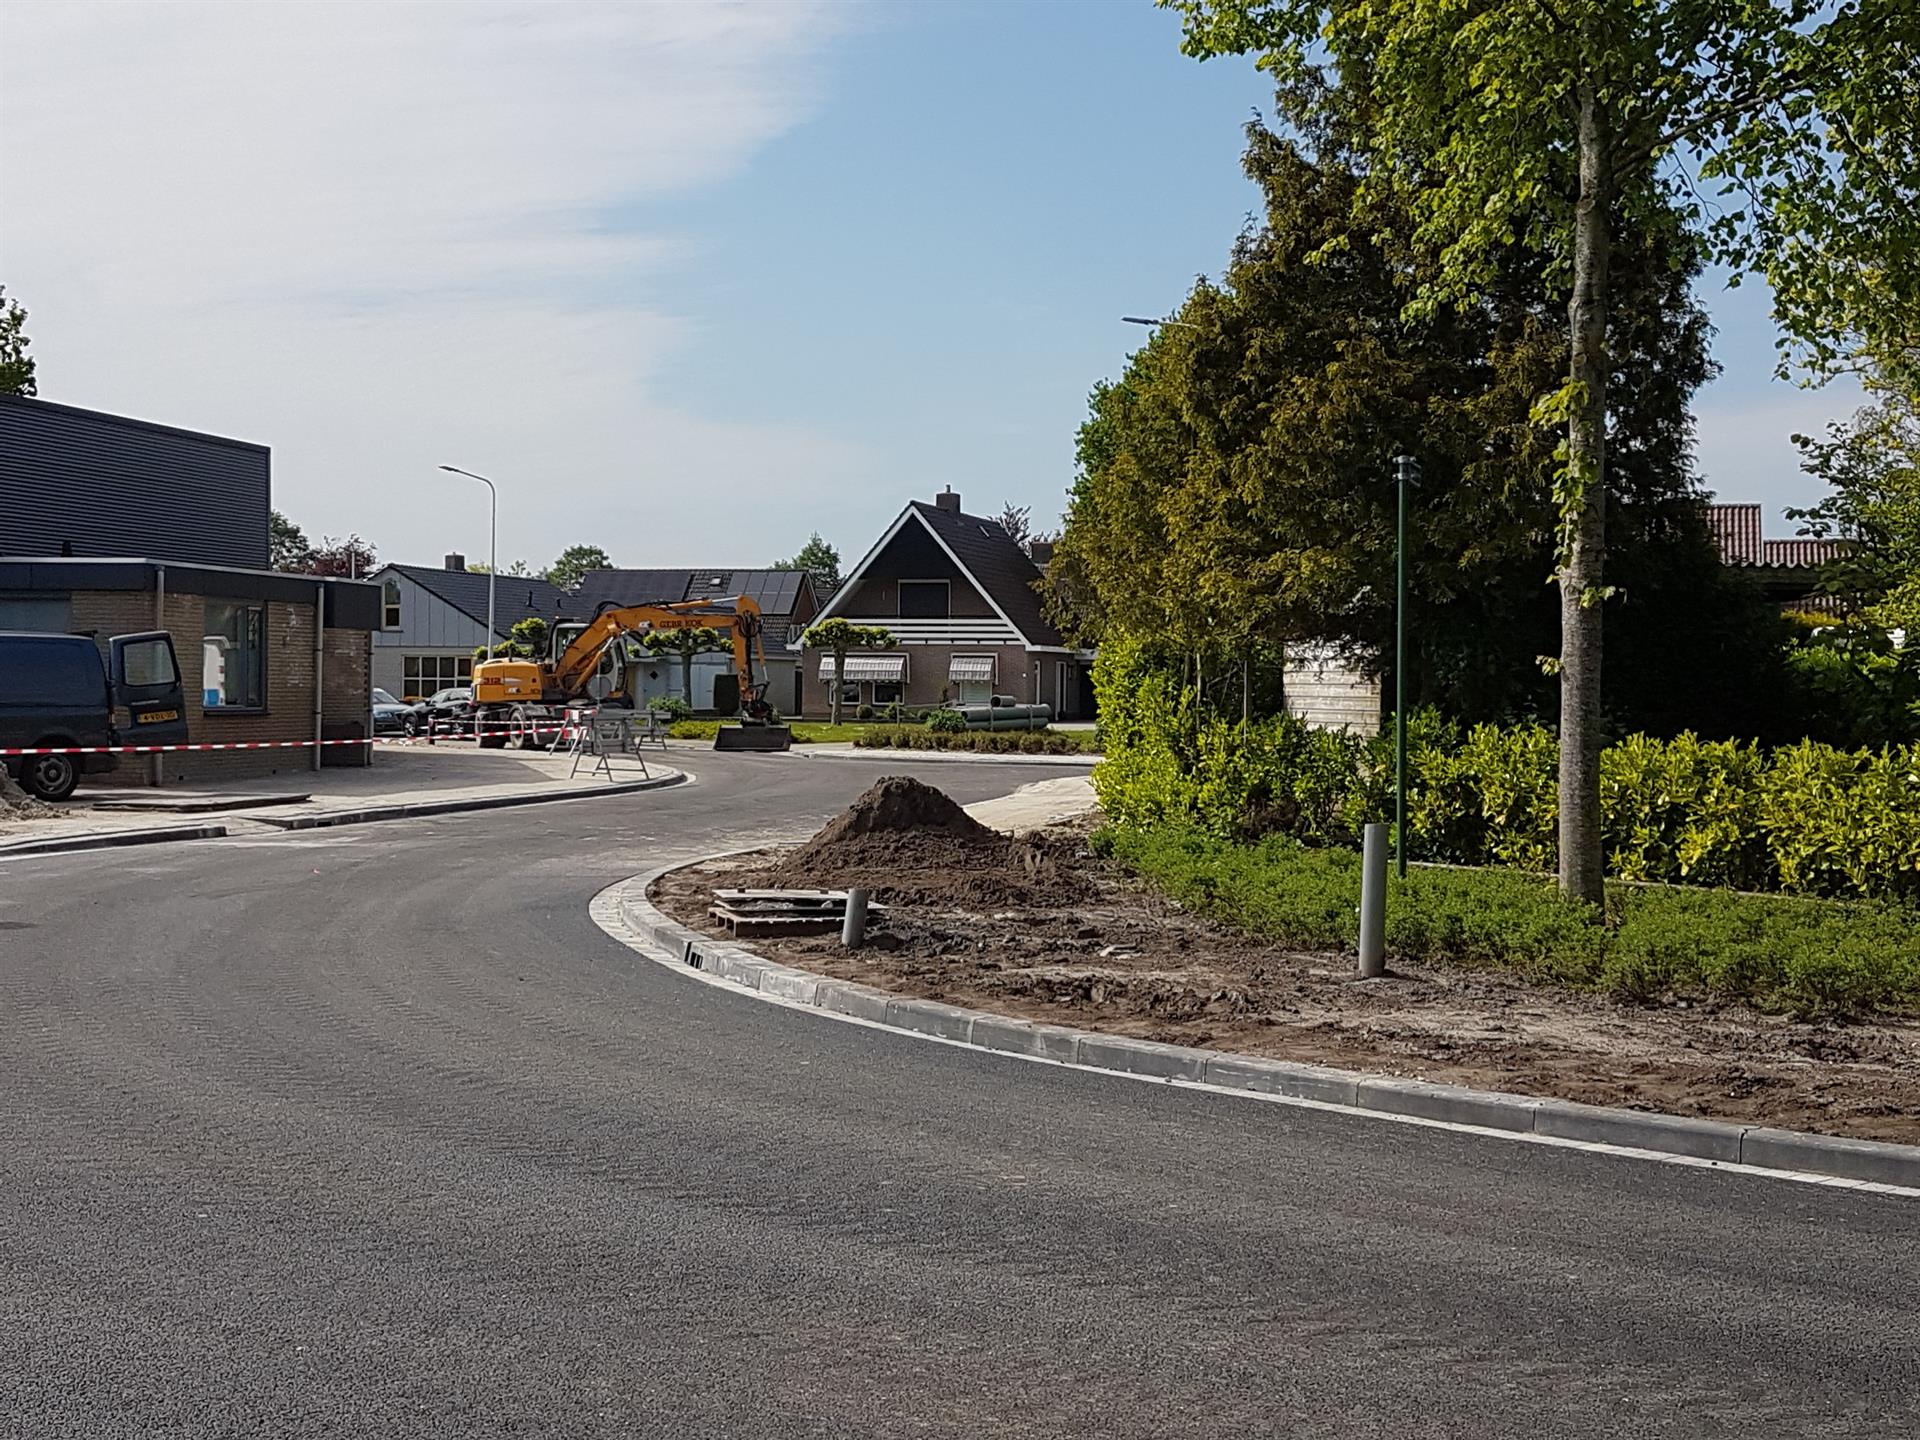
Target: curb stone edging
{"points": [[1733, 1143], [369, 814], [111, 839]]}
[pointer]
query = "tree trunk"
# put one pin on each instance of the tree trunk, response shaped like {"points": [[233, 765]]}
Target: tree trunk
{"points": [[839, 680], [686, 678], [1246, 686], [1582, 860]]}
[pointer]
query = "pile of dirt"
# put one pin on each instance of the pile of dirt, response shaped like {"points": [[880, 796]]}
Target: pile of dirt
{"points": [[908, 843], [17, 804]]}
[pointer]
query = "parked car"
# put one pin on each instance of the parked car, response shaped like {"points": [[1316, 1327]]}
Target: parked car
{"points": [[448, 709], [55, 693], [391, 716]]}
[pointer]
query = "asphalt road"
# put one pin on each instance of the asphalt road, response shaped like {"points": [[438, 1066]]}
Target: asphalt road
{"points": [[371, 1132]]}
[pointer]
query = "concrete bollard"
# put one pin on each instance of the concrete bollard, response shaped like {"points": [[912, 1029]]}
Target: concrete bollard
{"points": [[1373, 902], [854, 929]]}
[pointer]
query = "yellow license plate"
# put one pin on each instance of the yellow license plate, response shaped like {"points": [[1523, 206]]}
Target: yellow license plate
{"points": [[151, 717]]}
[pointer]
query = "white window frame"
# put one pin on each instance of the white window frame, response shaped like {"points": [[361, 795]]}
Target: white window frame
{"points": [[390, 608]]}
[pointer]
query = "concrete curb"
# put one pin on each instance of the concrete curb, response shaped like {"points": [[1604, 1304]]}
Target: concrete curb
{"points": [[1753, 1146], [112, 839], [945, 757], [372, 813]]}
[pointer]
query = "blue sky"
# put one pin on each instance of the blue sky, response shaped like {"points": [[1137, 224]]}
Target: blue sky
{"points": [[689, 281]]}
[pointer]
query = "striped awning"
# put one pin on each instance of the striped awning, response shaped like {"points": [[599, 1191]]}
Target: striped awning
{"points": [[867, 667], [971, 667]]}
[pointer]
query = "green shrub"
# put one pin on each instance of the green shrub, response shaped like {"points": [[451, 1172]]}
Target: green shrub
{"points": [[1808, 956], [865, 712], [946, 722], [673, 707], [983, 742], [1806, 819]]}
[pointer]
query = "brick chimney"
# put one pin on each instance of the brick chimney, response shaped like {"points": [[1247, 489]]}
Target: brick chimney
{"points": [[456, 561], [947, 500]]}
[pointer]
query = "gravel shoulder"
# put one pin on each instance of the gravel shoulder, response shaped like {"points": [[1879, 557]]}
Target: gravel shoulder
{"points": [[1080, 942]]}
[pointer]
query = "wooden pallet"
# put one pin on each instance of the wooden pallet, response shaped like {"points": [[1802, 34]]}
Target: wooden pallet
{"points": [[784, 912]]}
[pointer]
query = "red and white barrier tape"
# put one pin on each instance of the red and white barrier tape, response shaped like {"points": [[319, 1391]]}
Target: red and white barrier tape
{"points": [[268, 744]]}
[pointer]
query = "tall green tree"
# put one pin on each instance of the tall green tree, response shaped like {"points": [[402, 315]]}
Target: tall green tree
{"points": [[818, 559], [1569, 124], [1871, 465], [574, 564], [287, 544], [1234, 484], [16, 366]]}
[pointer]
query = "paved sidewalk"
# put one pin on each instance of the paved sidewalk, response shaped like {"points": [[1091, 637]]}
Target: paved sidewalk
{"points": [[1038, 804], [845, 751], [401, 776]]}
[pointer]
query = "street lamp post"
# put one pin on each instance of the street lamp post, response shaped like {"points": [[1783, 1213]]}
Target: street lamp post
{"points": [[493, 539], [1406, 470]]}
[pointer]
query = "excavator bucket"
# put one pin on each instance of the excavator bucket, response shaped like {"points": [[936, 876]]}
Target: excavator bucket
{"points": [[753, 737]]}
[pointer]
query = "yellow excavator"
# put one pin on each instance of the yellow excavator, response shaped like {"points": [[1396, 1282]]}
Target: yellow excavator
{"points": [[516, 700]]}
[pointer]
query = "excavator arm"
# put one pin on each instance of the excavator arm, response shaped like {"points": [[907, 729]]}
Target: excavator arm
{"points": [[574, 667]]}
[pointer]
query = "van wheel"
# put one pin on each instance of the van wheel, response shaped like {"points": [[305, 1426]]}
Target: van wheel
{"points": [[51, 777]]}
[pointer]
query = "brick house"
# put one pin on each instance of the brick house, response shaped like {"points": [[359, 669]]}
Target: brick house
{"points": [[1785, 570], [264, 655], [963, 603]]}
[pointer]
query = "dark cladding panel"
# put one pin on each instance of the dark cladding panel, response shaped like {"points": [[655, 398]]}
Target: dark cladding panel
{"points": [[81, 483]]}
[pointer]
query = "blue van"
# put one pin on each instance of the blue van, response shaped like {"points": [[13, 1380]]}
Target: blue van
{"points": [[54, 692]]}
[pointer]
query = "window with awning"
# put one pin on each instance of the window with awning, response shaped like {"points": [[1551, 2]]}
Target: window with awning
{"points": [[868, 667], [971, 668]]}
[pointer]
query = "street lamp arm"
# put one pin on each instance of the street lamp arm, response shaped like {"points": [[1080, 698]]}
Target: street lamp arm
{"points": [[493, 544]]}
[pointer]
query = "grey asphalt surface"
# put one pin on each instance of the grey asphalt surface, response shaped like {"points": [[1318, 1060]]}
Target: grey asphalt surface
{"points": [[372, 1132]]}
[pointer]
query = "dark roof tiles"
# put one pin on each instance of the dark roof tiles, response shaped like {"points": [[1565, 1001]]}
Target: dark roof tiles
{"points": [[1002, 568], [516, 597], [777, 592]]}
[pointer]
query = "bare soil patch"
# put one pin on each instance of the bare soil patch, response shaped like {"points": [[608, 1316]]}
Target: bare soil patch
{"points": [[1042, 929]]}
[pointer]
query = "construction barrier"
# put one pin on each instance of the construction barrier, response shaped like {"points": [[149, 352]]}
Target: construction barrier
{"points": [[428, 738]]}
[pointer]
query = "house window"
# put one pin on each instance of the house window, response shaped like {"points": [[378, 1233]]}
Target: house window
{"points": [[888, 692], [234, 656], [390, 604], [924, 600], [428, 673], [50, 613]]}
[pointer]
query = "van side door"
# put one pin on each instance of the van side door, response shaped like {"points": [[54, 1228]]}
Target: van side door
{"points": [[146, 680]]}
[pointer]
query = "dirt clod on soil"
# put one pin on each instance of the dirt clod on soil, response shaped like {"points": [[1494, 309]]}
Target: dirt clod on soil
{"points": [[17, 804], [908, 843]]}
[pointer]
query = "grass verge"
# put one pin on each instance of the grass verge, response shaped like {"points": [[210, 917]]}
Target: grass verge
{"points": [[805, 732], [1774, 952]]}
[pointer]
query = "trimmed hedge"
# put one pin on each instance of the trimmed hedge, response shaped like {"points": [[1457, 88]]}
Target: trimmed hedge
{"points": [[991, 742], [1779, 953], [1806, 819]]}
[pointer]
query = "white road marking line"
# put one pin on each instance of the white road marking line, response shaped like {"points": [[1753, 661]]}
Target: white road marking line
{"points": [[605, 911]]}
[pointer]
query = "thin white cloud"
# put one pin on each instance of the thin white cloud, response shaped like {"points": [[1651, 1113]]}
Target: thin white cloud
{"points": [[378, 236]]}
